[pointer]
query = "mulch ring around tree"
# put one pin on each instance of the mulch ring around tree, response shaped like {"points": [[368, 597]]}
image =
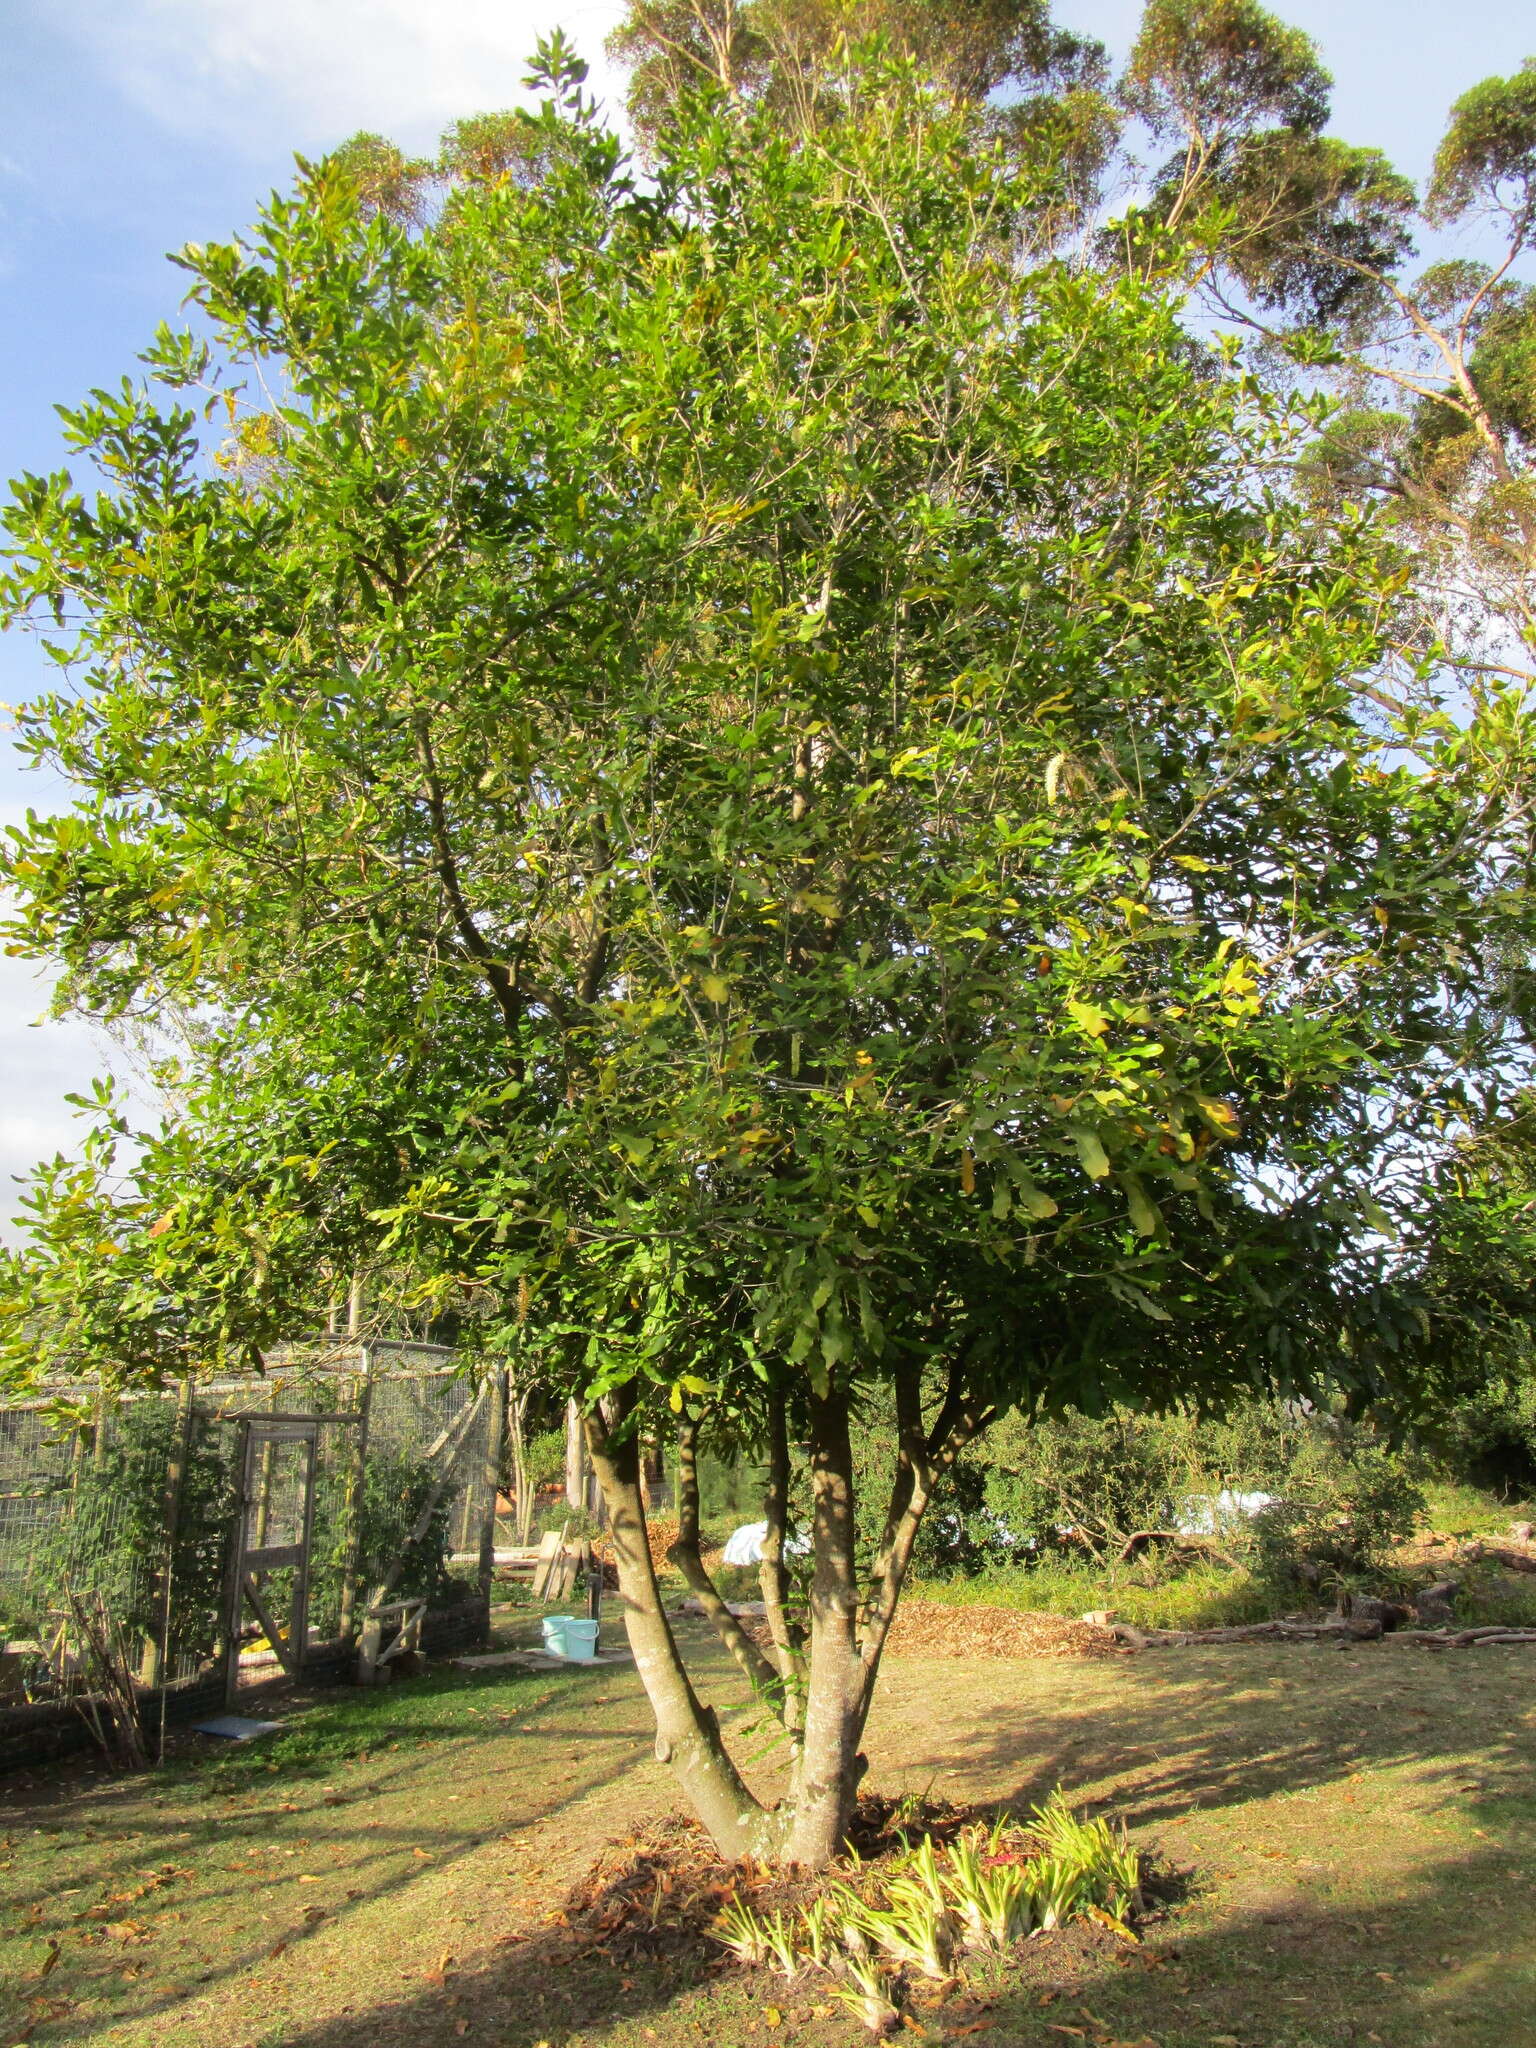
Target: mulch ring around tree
{"points": [[657, 1894], [651, 1904], [925, 1628]]}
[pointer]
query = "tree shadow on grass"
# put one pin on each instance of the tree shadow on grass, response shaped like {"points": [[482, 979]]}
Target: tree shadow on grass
{"points": [[137, 1838], [1158, 1738], [1425, 1964], [1165, 1733]]}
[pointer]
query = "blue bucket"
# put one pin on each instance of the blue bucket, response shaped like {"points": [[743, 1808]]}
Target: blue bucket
{"points": [[565, 1635]]}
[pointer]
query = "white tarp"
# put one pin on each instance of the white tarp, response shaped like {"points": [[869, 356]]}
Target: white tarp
{"points": [[1205, 1514], [745, 1545]]}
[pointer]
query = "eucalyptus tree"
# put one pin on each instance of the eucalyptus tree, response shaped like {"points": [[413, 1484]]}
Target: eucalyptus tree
{"points": [[769, 790], [1041, 89], [1311, 243]]}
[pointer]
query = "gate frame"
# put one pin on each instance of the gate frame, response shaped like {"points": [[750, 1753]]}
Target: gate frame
{"points": [[272, 1428]]}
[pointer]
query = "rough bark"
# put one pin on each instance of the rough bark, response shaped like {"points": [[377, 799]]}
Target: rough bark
{"points": [[830, 1767], [687, 1732], [749, 1659]]}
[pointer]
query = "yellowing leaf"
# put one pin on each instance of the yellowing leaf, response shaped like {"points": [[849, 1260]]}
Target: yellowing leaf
{"points": [[1221, 1116], [1032, 1198], [1095, 1160], [1089, 1017], [715, 988], [1146, 1217], [968, 1171]]}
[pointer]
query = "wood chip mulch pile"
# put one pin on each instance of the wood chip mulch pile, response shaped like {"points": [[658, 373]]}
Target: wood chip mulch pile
{"points": [[661, 1534], [922, 1628]]}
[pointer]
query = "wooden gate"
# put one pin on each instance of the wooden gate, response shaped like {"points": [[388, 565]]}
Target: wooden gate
{"points": [[268, 1608]]}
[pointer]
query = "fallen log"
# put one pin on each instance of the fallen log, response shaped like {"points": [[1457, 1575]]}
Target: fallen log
{"points": [[1337, 1631], [1493, 1553], [1466, 1638]]}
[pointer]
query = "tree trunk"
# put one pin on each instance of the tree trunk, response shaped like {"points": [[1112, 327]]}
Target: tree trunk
{"points": [[687, 1733], [575, 1460], [749, 1659], [772, 1574], [517, 1410], [830, 1766]]}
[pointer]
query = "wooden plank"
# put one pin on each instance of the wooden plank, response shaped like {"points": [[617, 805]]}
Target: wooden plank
{"points": [[273, 1633], [549, 1554]]}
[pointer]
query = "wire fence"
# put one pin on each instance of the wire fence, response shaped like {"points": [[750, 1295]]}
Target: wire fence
{"points": [[212, 1538]]}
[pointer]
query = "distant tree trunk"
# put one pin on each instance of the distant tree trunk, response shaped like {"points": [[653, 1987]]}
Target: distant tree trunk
{"points": [[576, 1467], [517, 1409]]}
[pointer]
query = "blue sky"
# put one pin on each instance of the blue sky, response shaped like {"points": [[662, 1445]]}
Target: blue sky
{"points": [[128, 127]]}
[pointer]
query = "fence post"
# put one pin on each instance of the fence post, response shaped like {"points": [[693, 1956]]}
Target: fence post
{"points": [[299, 1612], [234, 1603], [495, 1438], [357, 1474], [152, 1671]]}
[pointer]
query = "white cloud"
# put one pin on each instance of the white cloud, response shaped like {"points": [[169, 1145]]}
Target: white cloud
{"points": [[41, 1061], [306, 73], [43, 1058]]}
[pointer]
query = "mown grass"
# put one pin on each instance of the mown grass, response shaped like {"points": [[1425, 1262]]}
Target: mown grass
{"points": [[343, 1726], [1348, 1836]]}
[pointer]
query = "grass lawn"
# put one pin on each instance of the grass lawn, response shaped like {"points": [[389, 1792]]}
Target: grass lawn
{"points": [[1349, 1835]]}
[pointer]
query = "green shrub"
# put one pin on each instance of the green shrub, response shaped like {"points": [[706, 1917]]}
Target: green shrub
{"points": [[393, 1495], [1076, 1488], [544, 1456], [1347, 1505]]}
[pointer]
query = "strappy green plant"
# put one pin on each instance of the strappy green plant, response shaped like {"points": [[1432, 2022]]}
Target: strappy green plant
{"points": [[819, 1935], [914, 1930], [779, 1943], [870, 1992], [739, 1930]]}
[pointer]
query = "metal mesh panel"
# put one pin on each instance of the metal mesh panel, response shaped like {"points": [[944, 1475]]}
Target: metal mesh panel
{"points": [[91, 1509]]}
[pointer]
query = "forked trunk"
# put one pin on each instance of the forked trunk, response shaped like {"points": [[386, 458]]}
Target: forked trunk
{"points": [[847, 1634], [687, 1732]]}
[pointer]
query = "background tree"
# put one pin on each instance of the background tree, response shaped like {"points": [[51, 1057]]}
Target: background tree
{"points": [[1310, 242], [775, 794], [1039, 88]]}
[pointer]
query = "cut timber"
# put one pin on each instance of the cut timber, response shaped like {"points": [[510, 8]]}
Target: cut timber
{"points": [[550, 1579]]}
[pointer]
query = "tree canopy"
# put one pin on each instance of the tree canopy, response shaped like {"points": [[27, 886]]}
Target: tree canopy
{"points": [[763, 778]]}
